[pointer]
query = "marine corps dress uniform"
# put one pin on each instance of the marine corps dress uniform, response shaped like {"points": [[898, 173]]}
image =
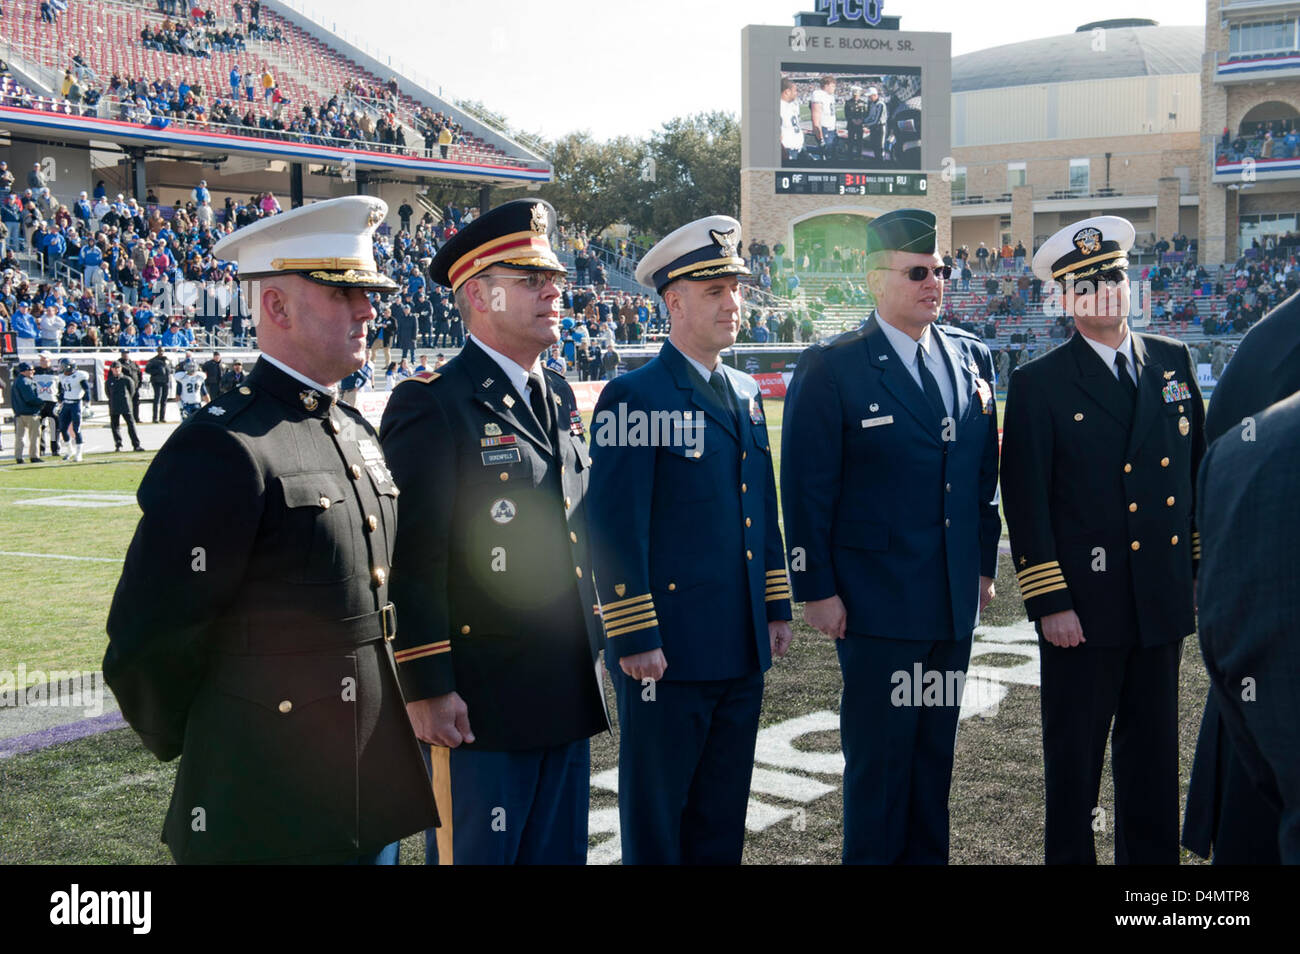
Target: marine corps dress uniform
{"points": [[1098, 481], [493, 577], [251, 630]]}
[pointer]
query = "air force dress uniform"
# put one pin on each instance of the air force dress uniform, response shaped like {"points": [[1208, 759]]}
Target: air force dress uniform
{"points": [[493, 574], [250, 631], [689, 560], [890, 504], [1098, 475]]}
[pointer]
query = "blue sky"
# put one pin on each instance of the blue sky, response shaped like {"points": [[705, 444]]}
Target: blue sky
{"points": [[622, 68]]}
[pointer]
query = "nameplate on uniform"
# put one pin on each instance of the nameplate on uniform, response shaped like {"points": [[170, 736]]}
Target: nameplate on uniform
{"points": [[369, 451], [506, 455], [878, 421]]}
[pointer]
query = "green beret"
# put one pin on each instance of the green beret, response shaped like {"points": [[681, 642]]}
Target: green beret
{"points": [[903, 230]]}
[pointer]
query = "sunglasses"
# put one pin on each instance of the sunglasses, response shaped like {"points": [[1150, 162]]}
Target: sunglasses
{"points": [[1109, 276], [919, 273]]}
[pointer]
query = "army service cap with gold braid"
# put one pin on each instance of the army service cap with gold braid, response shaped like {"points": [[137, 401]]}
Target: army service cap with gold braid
{"points": [[1079, 251], [515, 235], [698, 251], [330, 243], [903, 230]]}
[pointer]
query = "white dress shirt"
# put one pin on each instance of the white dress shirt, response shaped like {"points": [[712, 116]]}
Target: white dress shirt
{"points": [[1107, 354], [296, 374], [905, 347], [515, 372]]}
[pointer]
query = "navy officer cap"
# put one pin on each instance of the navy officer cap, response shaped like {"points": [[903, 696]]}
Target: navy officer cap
{"points": [[902, 230], [698, 251], [514, 234]]}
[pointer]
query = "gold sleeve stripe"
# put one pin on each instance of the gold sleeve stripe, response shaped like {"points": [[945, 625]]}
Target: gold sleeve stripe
{"points": [[631, 629], [606, 607], [1027, 571], [785, 595], [624, 621], [776, 572], [1039, 577], [622, 615], [433, 649], [1041, 590]]}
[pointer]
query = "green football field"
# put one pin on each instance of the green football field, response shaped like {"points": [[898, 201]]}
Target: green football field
{"points": [[101, 799]]}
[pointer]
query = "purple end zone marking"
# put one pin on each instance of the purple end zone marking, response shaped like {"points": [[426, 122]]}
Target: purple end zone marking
{"points": [[60, 733]]}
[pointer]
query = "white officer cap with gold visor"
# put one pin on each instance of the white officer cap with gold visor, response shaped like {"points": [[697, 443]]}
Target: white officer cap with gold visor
{"points": [[330, 243], [1080, 251]]}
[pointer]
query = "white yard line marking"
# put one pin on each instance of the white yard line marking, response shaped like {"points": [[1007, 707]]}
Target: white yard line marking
{"points": [[62, 490], [58, 556]]}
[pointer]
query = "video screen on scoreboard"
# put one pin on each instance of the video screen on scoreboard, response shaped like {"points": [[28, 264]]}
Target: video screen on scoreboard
{"points": [[850, 117]]}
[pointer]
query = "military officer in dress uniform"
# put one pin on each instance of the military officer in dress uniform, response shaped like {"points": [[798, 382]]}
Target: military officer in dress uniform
{"points": [[1224, 808], [690, 569], [1101, 443], [889, 475], [1250, 513], [492, 569], [251, 635]]}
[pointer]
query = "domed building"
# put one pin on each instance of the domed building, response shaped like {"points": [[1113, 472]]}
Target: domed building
{"points": [[1104, 120]]}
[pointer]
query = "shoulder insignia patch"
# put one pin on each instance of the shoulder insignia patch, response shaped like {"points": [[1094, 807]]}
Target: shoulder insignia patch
{"points": [[424, 377]]}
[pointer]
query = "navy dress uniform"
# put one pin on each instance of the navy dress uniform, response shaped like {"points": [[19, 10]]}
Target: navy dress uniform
{"points": [[1224, 808], [1250, 513], [1098, 480], [493, 576], [251, 634], [890, 504], [688, 560]]}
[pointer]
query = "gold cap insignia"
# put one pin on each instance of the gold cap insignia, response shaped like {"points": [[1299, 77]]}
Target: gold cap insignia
{"points": [[309, 399], [729, 241], [376, 217], [620, 589], [541, 221], [1087, 240]]}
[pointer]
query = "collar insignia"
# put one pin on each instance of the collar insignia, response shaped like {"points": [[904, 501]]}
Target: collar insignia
{"points": [[310, 399]]}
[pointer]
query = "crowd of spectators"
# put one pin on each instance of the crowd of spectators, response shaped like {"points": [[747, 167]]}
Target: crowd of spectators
{"points": [[1279, 139]]}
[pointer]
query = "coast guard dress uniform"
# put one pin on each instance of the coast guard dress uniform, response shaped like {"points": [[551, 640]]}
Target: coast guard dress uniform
{"points": [[1224, 808], [688, 559], [889, 502], [250, 632], [493, 576], [1098, 479]]}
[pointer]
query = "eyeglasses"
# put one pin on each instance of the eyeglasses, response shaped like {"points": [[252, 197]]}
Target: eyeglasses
{"points": [[918, 273], [533, 281], [1109, 276]]}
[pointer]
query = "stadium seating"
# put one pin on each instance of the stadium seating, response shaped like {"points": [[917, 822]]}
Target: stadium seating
{"points": [[107, 34]]}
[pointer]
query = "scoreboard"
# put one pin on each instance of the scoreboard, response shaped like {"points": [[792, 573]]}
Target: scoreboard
{"points": [[850, 183]]}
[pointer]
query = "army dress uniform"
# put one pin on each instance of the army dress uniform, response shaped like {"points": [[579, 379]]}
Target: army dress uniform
{"points": [[889, 504], [688, 559], [1098, 481], [492, 573]]}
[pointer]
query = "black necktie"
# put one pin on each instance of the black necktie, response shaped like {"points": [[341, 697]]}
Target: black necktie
{"points": [[537, 398], [718, 382], [929, 385], [1125, 380]]}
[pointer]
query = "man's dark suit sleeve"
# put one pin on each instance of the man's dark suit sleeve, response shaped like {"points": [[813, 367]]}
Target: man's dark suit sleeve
{"points": [[990, 519], [1198, 450], [1027, 442], [811, 473], [183, 568], [421, 454]]}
